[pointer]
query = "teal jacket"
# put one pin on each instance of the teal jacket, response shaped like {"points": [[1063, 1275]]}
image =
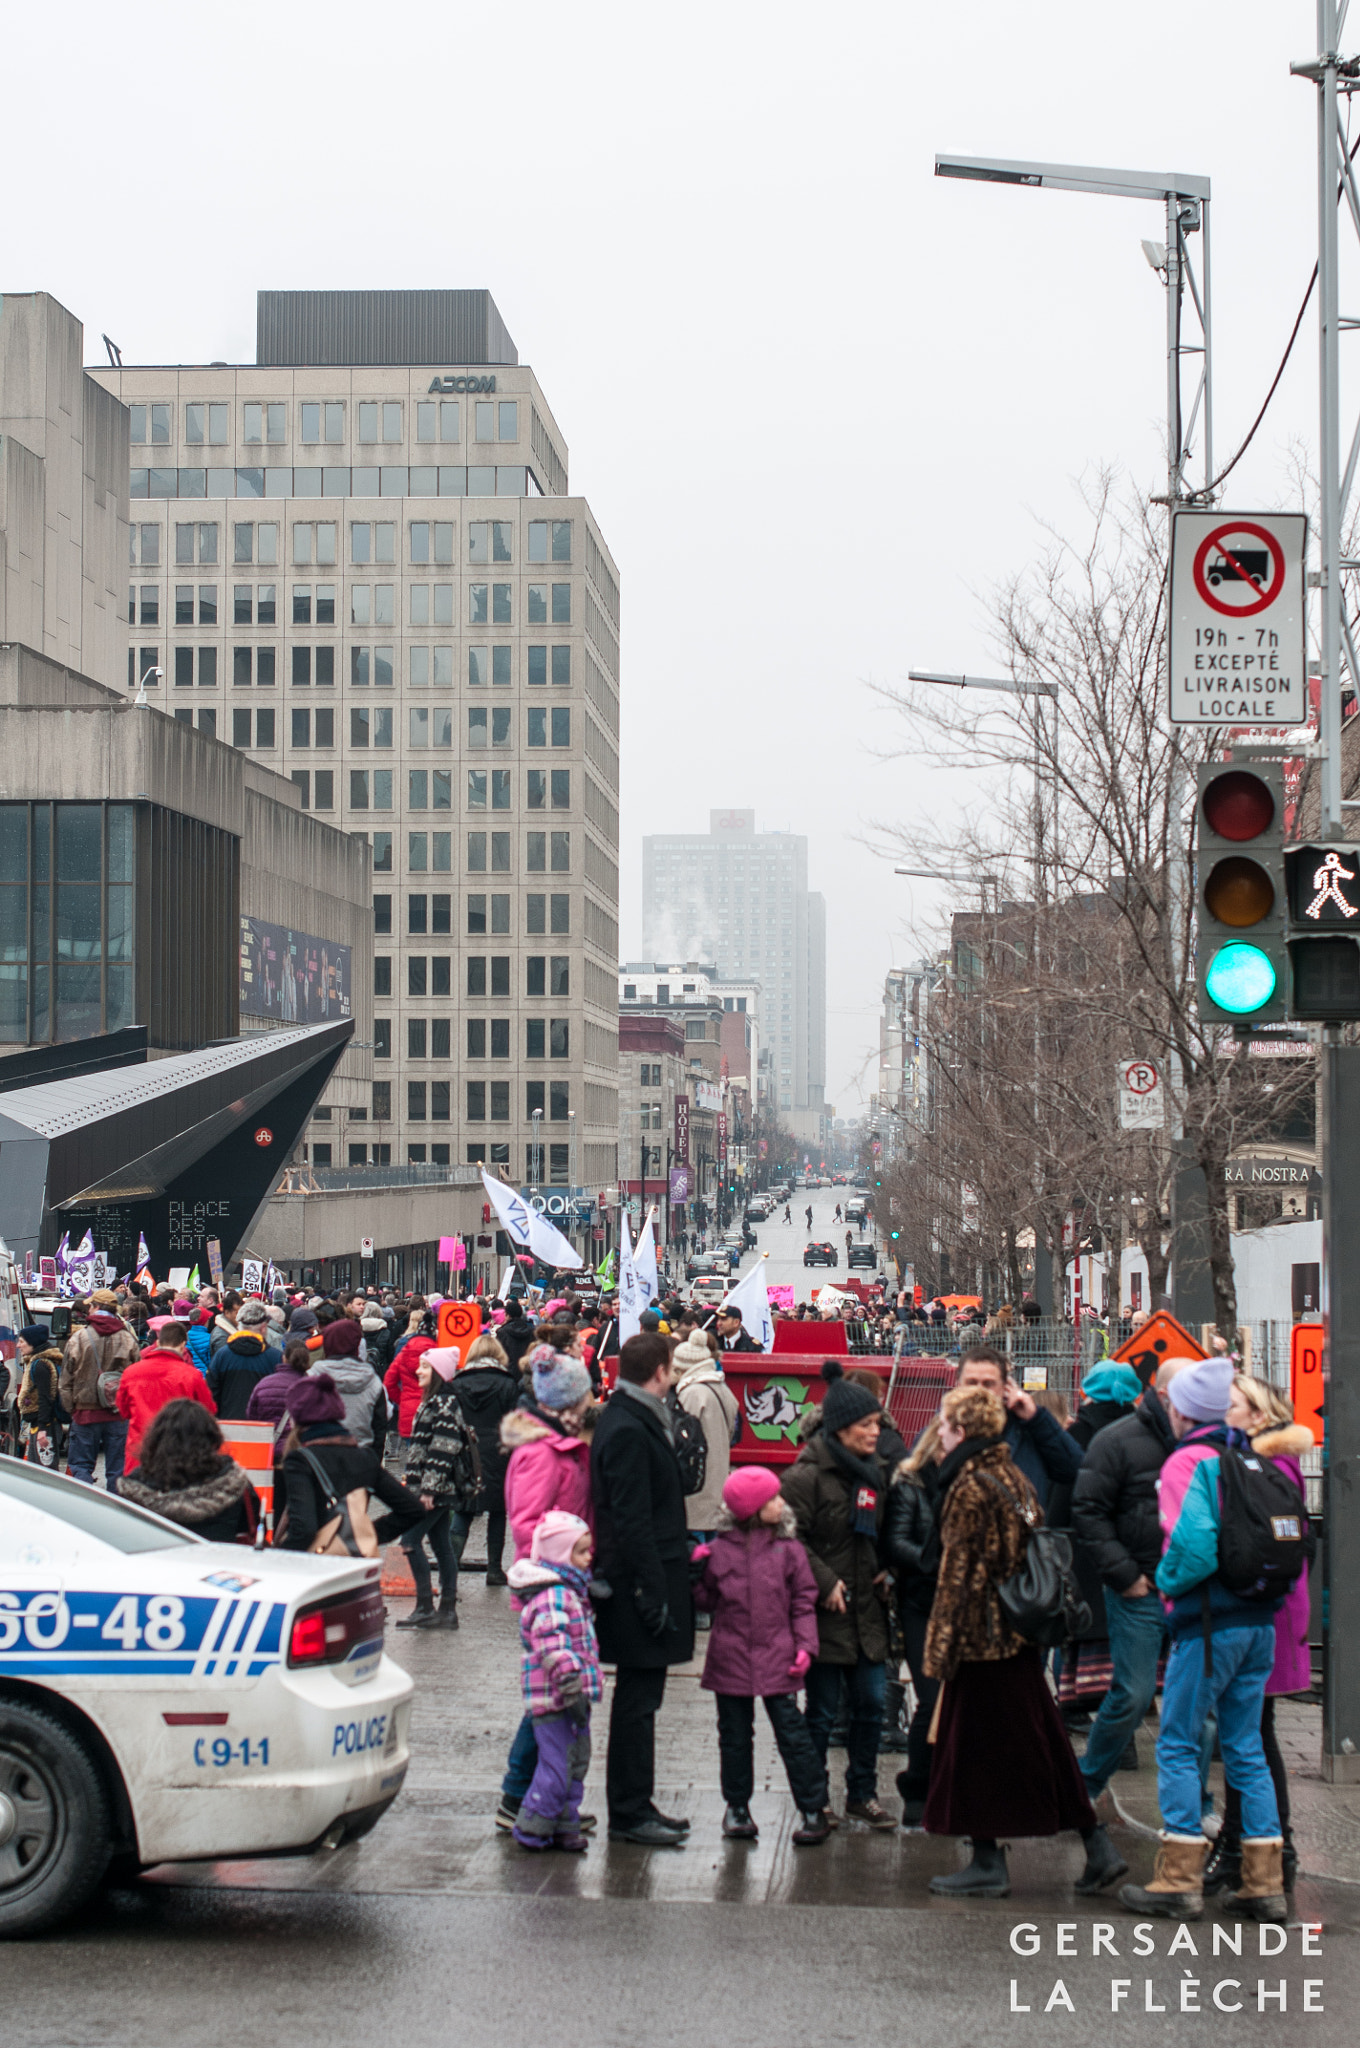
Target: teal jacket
{"points": [[1191, 1512]]}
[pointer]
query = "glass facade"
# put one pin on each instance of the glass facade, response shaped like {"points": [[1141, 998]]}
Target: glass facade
{"points": [[67, 920]]}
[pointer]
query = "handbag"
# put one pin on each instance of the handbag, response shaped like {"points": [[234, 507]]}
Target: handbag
{"points": [[348, 1529], [1041, 1601]]}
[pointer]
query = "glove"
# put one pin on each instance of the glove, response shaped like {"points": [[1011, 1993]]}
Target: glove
{"points": [[701, 1553], [575, 1705], [799, 1664], [656, 1620]]}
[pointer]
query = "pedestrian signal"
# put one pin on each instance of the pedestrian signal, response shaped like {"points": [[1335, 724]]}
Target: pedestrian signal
{"points": [[1323, 885], [1241, 963]]}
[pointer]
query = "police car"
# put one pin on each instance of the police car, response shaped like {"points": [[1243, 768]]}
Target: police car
{"points": [[163, 1699]]}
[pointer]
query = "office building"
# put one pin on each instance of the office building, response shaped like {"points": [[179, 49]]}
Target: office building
{"points": [[739, 898], [357, 561]]}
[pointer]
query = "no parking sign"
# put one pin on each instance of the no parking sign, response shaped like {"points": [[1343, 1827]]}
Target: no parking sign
{"points": [[1238, 654]]}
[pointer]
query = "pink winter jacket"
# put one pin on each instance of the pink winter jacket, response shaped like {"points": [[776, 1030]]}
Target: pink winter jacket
{"points": [[1293, 1670], [547, 1470]]}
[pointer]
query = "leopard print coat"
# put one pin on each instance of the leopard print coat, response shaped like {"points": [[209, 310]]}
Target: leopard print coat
{"points": [[982, 1541]]}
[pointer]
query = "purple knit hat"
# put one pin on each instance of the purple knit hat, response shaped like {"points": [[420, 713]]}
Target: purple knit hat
{"points": [[315, 1399]]}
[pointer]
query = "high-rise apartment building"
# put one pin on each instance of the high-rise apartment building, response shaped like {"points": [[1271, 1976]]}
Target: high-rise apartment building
{"points": [[358, 560], [739, 898]]}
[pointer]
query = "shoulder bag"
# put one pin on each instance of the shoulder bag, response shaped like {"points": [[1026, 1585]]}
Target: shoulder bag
{"points": [[1042, 1601], [348, 1528]]}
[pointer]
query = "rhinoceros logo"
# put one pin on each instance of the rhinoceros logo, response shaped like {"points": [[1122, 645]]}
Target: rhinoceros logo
{"points": [[776, 1410]]}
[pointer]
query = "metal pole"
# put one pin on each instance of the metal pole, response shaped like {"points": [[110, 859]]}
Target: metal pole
{"points": [[1329, 449], [1173, 349]]}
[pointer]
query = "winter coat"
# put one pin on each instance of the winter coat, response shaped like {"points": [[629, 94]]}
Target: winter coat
{"points": [[545, 1468], [400, 1382], [442, 1448], [642, 1546], [199, 1345], [348, 1465], [1293, 1670], [102, 1345], [361, 1391], [911, 1537], [487, 1392], [1043, 1450], [822, 1495], [223, 1509], [758, 1586], [44, 1375], [1092, 1418], [1190, 1509], [702, 1392], [514, 1336], [377, 1339], [236, 1369], [1114, 1501], [982, 1541], [269, 1397], [148, 1384], [743, 1341], [557, 1631]]}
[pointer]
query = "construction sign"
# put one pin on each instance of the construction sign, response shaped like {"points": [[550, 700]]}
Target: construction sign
{"points": [[460, 1323], [1307, 1386], [1160, 1337]]}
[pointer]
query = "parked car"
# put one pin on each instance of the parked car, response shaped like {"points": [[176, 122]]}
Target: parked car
{"points": [[704, 1262], [820, 1255]]}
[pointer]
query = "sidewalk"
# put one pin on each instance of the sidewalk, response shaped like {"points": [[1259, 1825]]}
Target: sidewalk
{"points": [[439, 1836]]}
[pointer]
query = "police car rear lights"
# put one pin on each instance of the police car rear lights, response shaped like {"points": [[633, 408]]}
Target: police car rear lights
{"points": [[328, 1631]]}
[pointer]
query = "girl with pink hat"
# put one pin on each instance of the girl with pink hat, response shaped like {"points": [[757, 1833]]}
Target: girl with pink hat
{"points": [[561, 1676]]}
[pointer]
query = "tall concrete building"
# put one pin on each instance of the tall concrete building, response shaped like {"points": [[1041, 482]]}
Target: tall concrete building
{"points": [[739, 898], [358, 560]]}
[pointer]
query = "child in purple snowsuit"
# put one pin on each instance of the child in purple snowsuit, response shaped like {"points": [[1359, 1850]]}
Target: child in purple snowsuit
{"points": [[561, 1673]]}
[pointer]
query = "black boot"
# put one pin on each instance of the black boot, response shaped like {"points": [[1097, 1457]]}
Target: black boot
{"points": [[986, 1877], [1103, 1862], [444, 1616], [421, 1615], [894, 1736], [738, 1825], [1290, 1857], [1223, 1871]]}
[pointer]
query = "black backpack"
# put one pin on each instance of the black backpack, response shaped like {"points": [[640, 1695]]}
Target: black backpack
{"points": [[1264, 1539], [691, 1446]]}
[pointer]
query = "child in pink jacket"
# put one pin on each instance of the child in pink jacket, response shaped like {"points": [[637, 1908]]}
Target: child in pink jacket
{"points": [[561, 1677]]}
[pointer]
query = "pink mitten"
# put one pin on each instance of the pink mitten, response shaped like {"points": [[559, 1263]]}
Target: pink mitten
{"points": [[799, 1664], [701, 1553]]}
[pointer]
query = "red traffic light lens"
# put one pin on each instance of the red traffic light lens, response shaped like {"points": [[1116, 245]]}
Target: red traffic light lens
{"points": [[1239, 892], [1239, 805]]}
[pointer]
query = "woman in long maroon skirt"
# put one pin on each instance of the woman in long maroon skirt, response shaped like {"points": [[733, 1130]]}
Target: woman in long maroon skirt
{"points": [[1003, 1764]]}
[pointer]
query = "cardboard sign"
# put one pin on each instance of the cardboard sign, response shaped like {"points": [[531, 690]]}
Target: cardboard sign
{"points": [[215, 1260], [1307, 1387], [447, 1253], [1160, 1337], [460, 1323]]}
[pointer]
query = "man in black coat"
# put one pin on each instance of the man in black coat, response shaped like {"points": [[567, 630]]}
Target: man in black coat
{"points": [[641, 1549], [1040, 1446], [732, 1332], [1114, 1513]]}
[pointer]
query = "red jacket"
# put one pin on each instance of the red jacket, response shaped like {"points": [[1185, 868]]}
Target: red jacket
{"points": [[148, 1384], [403, 1388]]}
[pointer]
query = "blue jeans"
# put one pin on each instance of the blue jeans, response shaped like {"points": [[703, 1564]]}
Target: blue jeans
{"points": [[1235, 1689], [868, 1685], [88, 1439], [522, 1761], [1135, 1628]]}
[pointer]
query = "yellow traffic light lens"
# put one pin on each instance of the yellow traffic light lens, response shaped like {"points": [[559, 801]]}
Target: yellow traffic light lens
{"points": [[1239, 892], [1239, 805]]}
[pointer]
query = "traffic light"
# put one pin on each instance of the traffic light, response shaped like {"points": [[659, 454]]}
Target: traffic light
{"points": [[1324, 948], [894, 1235], [1242, 966]]}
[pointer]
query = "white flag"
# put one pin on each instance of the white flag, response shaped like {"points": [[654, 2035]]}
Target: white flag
{"points": [[632, 1300], [644, 1256], [750, 1299], [525, 1226]]}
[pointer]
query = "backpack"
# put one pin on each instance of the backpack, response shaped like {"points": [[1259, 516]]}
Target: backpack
{"points": [[691, 1445], [1265, 1539]]}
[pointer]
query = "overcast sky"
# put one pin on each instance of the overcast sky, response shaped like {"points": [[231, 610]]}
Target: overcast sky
{"points": [[818, 399]]}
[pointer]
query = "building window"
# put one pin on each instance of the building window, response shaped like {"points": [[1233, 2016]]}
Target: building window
{"points": [[382, 1101], [437, 420], [380, 421], [549, 540], [476, 1102], [196, 540], [534, 1098], [302, 782], [382, 1040], [205, 422], [144, 546], [500, 1102], [314, 541], [382, 913], [322, 422], [559, 1101], [476, 853], [323, 788], [559, 1035], [372, 541], [561, 789], [415, 1038], [261, 422], [561, 853], [156, 417], [415, 1102], [535, 1032], [255, 541], [559, 913], [431, 541]]}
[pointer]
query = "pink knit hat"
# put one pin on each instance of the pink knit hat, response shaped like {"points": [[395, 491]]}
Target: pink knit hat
{"points": [[556, 1536], [444, 1360], [747, 1491]]}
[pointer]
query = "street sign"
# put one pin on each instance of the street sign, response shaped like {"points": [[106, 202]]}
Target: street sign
{"points": [[365, 1247], [1307, 1387], [1238, 653], [1160, 1337], [1142, 1102], [460, 1322]]}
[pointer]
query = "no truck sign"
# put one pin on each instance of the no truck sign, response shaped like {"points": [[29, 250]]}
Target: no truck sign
{"points": [[1237, 619]]}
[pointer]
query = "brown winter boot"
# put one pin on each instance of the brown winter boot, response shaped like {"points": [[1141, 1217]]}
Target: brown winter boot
{"points": [[1261, 1893], [1176, 1888]]}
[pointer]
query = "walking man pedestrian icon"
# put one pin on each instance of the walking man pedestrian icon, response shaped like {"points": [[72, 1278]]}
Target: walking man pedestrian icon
{"points": [[1327, 881]]}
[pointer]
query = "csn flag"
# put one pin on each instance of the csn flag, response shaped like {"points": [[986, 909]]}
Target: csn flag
{"points": [[632, 1299], [525, 1226], [644, 1257], [750, 1299]]}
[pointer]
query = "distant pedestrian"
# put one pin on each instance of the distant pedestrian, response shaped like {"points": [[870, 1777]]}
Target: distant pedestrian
{"points": [[444, 1470], [702, 1392], [758, 1586], [487, 1389], [241, 1361], [96, 1352], [38, 1401], [360, 1388], [162, 1374], [561, 1676]]}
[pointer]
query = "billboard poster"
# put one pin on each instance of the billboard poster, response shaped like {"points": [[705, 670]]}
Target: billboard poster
{"points": [[292, 977]]}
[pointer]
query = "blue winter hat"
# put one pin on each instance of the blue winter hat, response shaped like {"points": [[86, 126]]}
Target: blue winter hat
{"points": [[559, 1381], [1201, 1392], [1110, 1382]]}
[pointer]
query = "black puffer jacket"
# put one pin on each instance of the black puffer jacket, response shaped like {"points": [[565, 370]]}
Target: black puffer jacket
{"points": [[1114, 1503], [1092, 1418], [487, 1392], [911, 1540]]}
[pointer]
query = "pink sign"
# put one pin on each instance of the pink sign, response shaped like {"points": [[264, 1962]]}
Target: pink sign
{"points": [[459, 1255], [781, 1297], [449, 1248]]}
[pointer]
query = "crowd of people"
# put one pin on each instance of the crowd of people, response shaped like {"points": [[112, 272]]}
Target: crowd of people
{"points": [[622, 1527]]}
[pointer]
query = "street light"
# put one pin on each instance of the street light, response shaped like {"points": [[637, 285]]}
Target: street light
{"points": [[1186, 199], [1014, 689], [140, 697], [537, 1177]]}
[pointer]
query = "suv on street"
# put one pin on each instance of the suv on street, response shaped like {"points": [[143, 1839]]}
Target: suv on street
{"points": [[820, 1255], [865, 1254]]}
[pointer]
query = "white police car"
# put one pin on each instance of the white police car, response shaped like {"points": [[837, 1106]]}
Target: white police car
{"points": [[166, 1699]]}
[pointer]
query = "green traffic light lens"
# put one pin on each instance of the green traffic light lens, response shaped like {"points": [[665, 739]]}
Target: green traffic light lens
{"points": [[1240, 979]]}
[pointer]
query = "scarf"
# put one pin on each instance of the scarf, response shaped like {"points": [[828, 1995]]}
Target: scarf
{"points": [[949, 1468], [646, 1400], [866, 1479]]}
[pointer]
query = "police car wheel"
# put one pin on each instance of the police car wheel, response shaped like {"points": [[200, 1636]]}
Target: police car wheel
{"points": [[55, 1833]]}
